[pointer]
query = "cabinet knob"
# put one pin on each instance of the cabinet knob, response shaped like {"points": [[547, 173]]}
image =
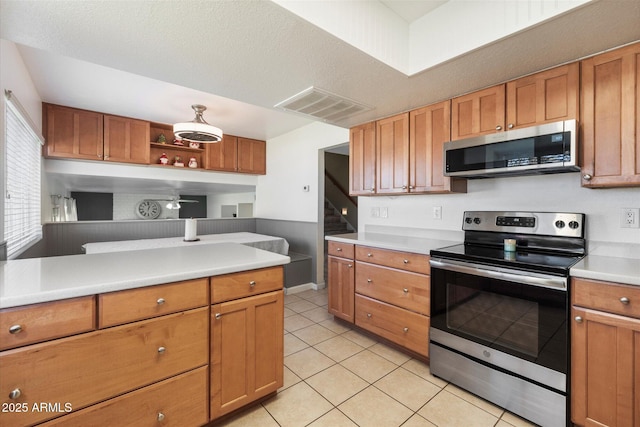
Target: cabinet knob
{"points": [[160, 301], [369, 280], [404, 187], [405, 290], [369, 255], [510, 126], [218, 316], [587, 177], [252, 283], [161, 350], [405, 330], [578, 319], [15, 394], [406, 261], [106, 157], [15, 329], [350, 265], [625, 300], [498, 127], [411, 187], [372, 189], [339, 249], [369, 315], [160, 416]]}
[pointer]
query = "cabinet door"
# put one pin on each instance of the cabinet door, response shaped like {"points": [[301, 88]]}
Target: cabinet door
{"points": [[341, 288], [247, 351], [429, 129], [72, 133], [362, 160], [611, 118], [478, 113], [605, 369], [126, 140], [392, 154], [222, 156], [252, 156], [544, 97]]}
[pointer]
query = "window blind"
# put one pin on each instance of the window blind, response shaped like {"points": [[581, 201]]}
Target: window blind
{"points": [[22, 204]]}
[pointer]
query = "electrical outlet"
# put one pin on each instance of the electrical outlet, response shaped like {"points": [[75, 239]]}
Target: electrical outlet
{"points": [[629, 218], [375, 212], [437, 212], [384, 213]]}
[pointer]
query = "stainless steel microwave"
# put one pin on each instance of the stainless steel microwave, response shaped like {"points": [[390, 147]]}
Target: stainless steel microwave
{"points": [[548, 148]]}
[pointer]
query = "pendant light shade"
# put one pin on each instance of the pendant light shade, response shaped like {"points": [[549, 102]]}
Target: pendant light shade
{"points": [[197, 130]]}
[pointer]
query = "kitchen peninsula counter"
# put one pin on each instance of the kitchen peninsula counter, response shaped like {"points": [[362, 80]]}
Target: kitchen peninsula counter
{"points": [[36, 280], [397, 242]]}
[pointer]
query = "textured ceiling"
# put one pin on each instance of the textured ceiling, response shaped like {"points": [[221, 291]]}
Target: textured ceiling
{"points": [[154, 59]]}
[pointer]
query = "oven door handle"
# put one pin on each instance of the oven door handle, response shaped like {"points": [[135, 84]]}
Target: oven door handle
{"points": [[529, 278]]}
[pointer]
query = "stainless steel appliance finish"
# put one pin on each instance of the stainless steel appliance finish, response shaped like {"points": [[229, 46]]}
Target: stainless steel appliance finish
{"points": [[499, 319], [548, 148]]}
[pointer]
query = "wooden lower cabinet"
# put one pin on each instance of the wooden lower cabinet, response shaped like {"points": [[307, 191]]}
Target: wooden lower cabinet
{"points": [[605, 357], [178, 401], [341, 279], [247, 350]]}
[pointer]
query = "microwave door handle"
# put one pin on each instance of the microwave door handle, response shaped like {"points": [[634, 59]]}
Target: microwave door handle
{"points": [[484, 271]]}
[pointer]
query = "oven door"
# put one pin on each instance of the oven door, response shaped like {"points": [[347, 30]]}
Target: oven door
{"points": [[513, 320]]}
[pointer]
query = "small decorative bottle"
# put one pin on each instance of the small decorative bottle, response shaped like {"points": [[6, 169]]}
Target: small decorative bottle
{"points": [[164, 159]]}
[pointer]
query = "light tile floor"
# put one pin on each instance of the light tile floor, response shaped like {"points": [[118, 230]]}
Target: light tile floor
{"points": [[335, 376]]}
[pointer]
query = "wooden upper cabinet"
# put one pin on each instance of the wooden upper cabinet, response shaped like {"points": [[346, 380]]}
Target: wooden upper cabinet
{"points": [[72, 133], [222, 156], [252, 156], [362, 160], [429, 129], [478, 113], [610, 111], [392, 154], [126, 140], [545, 97]]}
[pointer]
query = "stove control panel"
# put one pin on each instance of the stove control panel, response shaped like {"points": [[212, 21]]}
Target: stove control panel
{"points": [[540, 223]]}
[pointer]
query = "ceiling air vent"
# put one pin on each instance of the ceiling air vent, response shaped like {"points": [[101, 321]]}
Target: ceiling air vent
{"points": [[322, 105]]}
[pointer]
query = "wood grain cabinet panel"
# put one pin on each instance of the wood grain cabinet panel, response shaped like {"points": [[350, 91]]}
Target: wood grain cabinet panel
{"points": [[417, 263], [341, 278], [223, 155], [544, 97], [609, 297], [362, 160], [180, 401], [72, 133], [127, 306], [343, 250], [610, 116], [392, 154], [478, 113], [126, 140], [252, 156], [88, 368], [247, 283], [429, 129], [41, 322], [247, 351]]}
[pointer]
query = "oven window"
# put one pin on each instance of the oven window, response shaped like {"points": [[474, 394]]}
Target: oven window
{"points": [[526, 321]]}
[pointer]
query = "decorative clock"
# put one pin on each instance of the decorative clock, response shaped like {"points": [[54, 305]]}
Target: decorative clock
{"points": [[148, 209]]}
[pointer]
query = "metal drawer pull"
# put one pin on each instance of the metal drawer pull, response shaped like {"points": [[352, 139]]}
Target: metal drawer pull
{"points": [[339, 249], [218, 316], [350, 265], [578, 319], [498, 127], [369, 255], [160, 416], [406, 329], [406, 261], [15, 394], [369, 280], [369, 315], [15, 329], [625, 300], [252, 283], [160, 301], [405, 290], [161, 350]]}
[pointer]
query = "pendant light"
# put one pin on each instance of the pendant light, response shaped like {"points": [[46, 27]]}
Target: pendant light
{"points": [[197, 130]]}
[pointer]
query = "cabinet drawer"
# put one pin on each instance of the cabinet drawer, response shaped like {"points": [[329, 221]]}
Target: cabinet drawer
{"points": [[96, 366], [178, 401], [403, 260], [402, 288], [343, 250], [239, 285], [128, 306], [614, 298], [41, 322], [408, 329]]}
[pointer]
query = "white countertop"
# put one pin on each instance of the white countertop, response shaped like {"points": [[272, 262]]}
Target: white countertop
{"points": [[608, 269], [261, 241], [420, 245], [29, 281]]}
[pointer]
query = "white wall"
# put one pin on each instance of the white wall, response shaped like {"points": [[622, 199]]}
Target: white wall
{"points": [[293, 161], [215, 202], [554, 193], [15, 77]]}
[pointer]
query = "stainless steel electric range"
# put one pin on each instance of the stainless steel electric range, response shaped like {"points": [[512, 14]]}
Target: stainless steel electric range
{"points": [[499, 310]]}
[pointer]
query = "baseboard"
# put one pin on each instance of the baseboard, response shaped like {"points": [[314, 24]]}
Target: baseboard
{"points": [[299, 288]]}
